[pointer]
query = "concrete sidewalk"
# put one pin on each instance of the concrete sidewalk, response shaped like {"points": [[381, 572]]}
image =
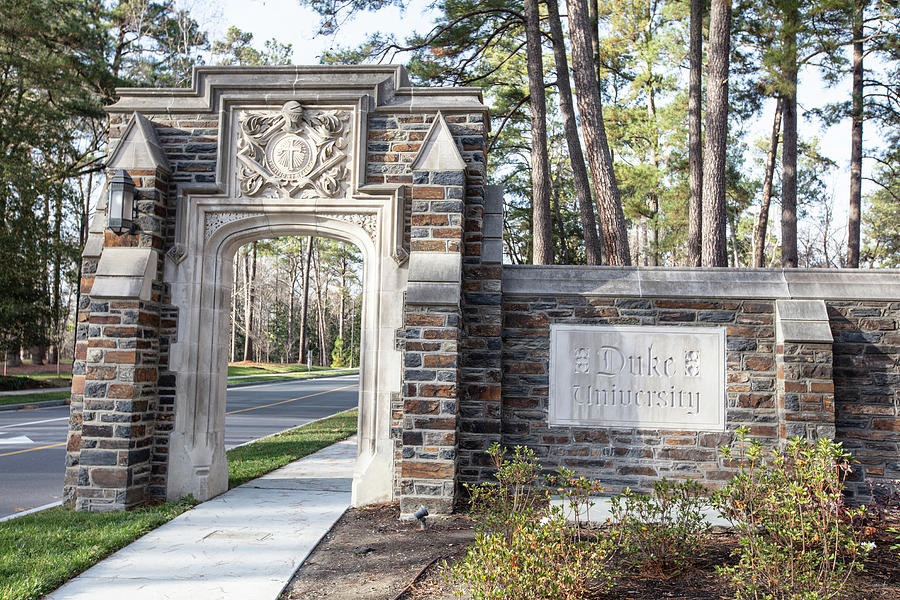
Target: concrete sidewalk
{"points": [[243, 545]]}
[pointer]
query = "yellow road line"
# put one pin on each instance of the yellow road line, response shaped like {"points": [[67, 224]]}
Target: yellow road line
{"points": [[228, 413], [33, 449], [291, 400]]}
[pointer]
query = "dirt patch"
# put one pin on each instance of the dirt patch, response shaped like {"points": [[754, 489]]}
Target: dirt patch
{"points": [[371, 555], [29, 369]]}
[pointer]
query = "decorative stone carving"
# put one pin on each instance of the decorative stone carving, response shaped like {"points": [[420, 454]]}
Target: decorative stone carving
{"points": [[367, 221], [216, 220], [400, 255], [646, 377], [297, 151], [177, 253]]}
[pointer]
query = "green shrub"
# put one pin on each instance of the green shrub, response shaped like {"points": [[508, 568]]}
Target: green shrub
{"points": [[661, 532], [338, 360], [797, 538], [895, 547], [526, 549]]}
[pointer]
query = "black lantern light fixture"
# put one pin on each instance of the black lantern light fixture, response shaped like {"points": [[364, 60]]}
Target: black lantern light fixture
{"points": [[120, 203]]}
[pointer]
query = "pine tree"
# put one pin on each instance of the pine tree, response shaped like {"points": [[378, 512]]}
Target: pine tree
{"points": [[615, 237], [714, 245]]}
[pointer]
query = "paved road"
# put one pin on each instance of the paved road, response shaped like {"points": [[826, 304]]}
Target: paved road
{"points": [[32, 442]]}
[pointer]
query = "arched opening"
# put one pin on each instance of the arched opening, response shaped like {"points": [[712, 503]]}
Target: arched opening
{"points": [[197, 463], [295, 317]]}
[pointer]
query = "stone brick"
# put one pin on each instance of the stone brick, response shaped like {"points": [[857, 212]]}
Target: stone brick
{"points": [[145, 374], [427, 469], [119, 390], [100, 373], [120, 357], [421, 407], [437, 391], [109, 477], [421, 192]]}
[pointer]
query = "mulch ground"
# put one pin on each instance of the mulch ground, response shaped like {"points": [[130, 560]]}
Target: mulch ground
{"points": [[371, 555]]}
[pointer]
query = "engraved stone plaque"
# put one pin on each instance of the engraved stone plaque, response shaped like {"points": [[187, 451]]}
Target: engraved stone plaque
{"points": [[647, 377]]}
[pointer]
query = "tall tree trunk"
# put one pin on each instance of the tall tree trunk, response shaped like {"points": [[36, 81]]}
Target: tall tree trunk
{"points": [[83, 231], [320, 310], [714, 250], [653, 217], [573, 142], [695, 139], [594, 24], [291, 292], [732, 236], [560, 226], [352, 328], [235, 265], [304, 303], [762, 222], [789, 145], [542, 232], [856, 140], [642, 241], [341, 301], [615, 236], [56, 306], [249, 300]]}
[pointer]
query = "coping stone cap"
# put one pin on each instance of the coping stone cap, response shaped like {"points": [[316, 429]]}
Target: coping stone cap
{"points": [[437, 267], [802, 321], [139, 147], [439, 151], [125, 273]]}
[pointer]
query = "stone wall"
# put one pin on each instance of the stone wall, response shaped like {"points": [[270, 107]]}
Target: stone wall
{"points": [[447, 214], [474, 335], [867, 386], [189, 142], [635, 457], [773, 388]]}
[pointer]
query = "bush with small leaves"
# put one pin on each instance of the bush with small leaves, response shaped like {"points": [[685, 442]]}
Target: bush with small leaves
{"points": [[798, 540], [662, 532], [525, 548]]}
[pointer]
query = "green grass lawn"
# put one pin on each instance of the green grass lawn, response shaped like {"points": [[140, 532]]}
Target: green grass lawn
{"points": [[45, 376], [27, 398], [250, 461], [40, 552], [10, 383], [299, 375], [269, 368]]}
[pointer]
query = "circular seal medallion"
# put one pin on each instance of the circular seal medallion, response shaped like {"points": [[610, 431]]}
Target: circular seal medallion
{"points": [[290, 156]]}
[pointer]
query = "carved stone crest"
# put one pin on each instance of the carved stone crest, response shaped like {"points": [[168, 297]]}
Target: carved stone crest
{"points": [[298, 151]]}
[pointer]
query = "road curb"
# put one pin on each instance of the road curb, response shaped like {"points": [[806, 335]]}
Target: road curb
{"points": [[51, 403], [42, 404]]}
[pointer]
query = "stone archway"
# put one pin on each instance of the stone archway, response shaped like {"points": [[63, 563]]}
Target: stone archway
{"points": [[202, 287], [352, 153]]}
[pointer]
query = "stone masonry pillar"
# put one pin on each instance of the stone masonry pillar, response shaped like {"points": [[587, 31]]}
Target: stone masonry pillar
{"points": [[804, 363], [114, 384], [432, 321]]}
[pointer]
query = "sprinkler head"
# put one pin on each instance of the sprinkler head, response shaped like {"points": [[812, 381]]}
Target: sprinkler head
{"points": [[420, 514]]}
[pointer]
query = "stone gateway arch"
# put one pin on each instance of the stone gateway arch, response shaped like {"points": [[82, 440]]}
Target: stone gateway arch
{"points": [[350, 153], [357, 154]]}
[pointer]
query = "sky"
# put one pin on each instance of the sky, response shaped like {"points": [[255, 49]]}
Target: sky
{"points": [[288, 22]]}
